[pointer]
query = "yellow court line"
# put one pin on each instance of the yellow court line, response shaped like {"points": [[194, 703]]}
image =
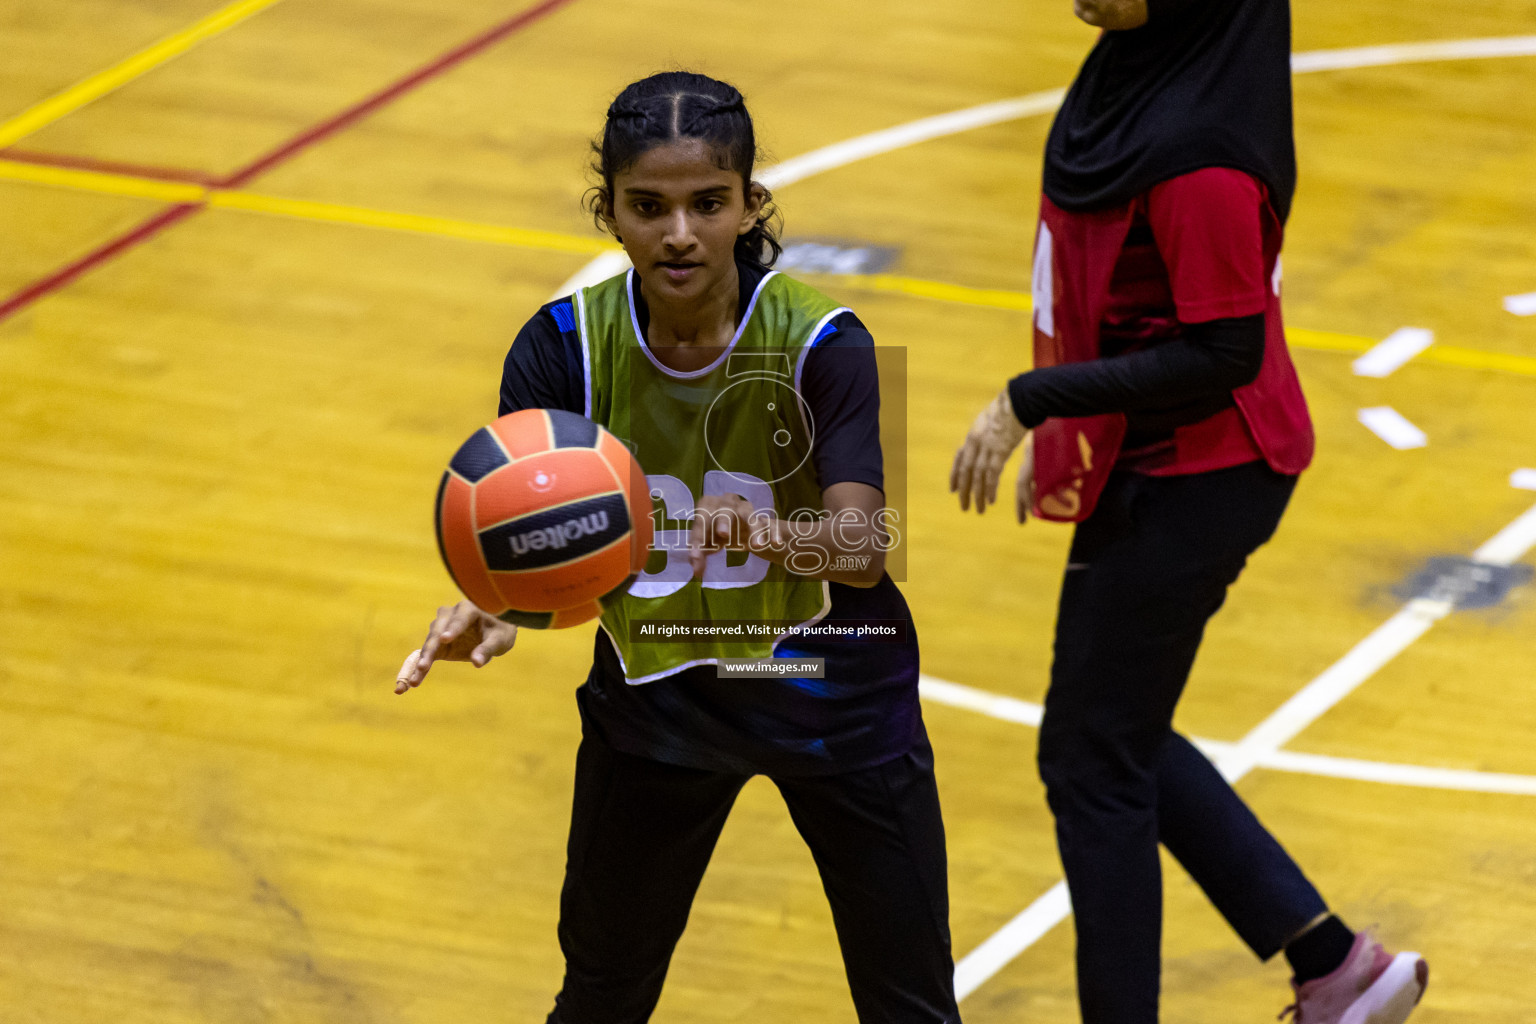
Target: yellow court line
{"points": [[446, 227], [1450, 355], [918, 288], [1328, 341], [1296, 337], [1325, 341], [98, 181], [100, 84], [1445, 355], [300, 209], [554, 241]]}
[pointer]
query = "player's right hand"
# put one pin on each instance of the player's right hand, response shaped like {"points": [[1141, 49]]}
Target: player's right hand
{"points": [[460, 632], [980, 460]]}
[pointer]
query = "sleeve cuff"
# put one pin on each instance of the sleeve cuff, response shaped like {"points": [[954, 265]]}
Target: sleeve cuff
{"points": [[1018, 397]]}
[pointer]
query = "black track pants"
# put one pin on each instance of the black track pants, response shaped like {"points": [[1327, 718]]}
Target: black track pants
{"points": [[1147, 570], [642, 833]]}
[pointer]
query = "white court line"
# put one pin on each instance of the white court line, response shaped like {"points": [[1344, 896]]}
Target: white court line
{"points": [[1031, 925], [1023, 712], [1413, 53], [1510, 544], [1525, 479], [1341, 679], [1385, 772], [993, 705], [863, 147], [1389, 356], [1401, 774], [840, 154], [1521, 305], [1392, 427]]}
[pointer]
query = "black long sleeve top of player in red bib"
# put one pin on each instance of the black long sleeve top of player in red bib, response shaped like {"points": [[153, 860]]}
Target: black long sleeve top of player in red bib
{"points": [[1168, 385]]}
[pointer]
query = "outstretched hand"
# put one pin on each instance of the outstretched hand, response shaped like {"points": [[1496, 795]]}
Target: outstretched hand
{"points": [[980, 460], [460, 632]]}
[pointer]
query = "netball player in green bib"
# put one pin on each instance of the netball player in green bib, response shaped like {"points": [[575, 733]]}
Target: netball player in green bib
{"points": [[752, 401]]}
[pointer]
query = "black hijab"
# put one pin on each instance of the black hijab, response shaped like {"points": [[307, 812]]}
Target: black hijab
{"points": [[1204, 83]]}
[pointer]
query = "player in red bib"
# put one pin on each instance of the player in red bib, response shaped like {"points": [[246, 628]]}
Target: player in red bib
{"points": [[1165, 419]]}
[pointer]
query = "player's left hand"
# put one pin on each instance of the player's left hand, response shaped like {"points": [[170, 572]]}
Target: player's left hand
{"points": [[459, 632], [1024, 488], [721, 522], [980, 460]]}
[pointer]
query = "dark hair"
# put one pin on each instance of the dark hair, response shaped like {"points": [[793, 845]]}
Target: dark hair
{"points": [[682, 105]]}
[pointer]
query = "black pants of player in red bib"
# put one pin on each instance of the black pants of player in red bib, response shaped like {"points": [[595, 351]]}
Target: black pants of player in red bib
{"points": [[1147, 570], [642, 833]]}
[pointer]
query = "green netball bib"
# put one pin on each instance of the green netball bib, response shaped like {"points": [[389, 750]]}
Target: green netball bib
{"points": [[737, 426]]}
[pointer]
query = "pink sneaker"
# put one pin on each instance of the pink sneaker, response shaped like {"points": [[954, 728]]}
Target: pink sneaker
{"points": [[1371, 986]]}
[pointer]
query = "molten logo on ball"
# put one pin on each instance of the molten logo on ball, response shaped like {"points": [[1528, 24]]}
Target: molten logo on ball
{"points": [[556, 536]]}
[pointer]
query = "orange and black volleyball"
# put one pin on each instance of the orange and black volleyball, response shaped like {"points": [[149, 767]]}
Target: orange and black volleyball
{"points": [[542, 518]]}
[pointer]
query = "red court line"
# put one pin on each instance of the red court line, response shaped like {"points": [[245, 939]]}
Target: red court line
{"points": [[377, 100], [86, 163], [165, 219], [61, 277]]}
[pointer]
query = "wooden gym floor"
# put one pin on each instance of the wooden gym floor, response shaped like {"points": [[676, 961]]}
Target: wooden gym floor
{"points": [[262, 263]]}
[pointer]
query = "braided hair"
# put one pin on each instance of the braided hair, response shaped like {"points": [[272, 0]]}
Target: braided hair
{"points": [[676, 105]]}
